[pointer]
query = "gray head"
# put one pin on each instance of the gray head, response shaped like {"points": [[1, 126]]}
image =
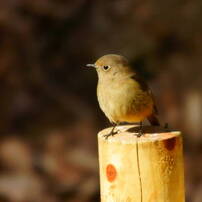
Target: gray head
{"points": [[112, 66]]}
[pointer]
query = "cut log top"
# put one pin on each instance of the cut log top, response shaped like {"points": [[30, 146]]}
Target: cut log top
{"points": [[128, 134], [141, 169]]}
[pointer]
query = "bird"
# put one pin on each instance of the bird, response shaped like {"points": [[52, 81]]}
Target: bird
{"points": [[122, 94]]}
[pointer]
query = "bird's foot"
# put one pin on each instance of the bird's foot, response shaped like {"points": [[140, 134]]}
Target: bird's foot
{"points": [[112, 133], [140, 132]]}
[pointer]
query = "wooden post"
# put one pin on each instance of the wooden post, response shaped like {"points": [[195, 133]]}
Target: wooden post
{"points": [[141, 169]]}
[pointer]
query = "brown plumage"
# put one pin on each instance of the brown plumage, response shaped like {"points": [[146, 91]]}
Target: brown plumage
{"points": [[122, 95]]}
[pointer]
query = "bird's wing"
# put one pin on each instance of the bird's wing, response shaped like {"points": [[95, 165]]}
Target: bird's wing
{"points": [[145, 87]]}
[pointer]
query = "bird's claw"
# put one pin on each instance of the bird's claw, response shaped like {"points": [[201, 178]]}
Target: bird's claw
{"points": [[140, 132], [112, 133]]}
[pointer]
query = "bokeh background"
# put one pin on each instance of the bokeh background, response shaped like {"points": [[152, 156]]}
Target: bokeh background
{"points": [[49, 115]]}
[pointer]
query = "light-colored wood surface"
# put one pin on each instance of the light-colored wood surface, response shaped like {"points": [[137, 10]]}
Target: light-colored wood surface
{"points": [[154, 174]]}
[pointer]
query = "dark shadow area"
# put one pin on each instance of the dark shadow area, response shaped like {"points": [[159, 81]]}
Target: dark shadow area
{"points": [[148, 129]]}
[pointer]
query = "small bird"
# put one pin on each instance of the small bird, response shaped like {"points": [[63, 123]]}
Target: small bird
{"points": [[122, 94]]}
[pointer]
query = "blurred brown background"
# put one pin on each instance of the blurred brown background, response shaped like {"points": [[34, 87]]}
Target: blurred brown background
{"points": [[49, 115]]}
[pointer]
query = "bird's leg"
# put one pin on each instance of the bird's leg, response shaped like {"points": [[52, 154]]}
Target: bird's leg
{"points": [[166, 127], [112, 133], [140, 132]]}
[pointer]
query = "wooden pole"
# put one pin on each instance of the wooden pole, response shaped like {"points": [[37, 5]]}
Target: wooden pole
{"points": [[141, 169]]}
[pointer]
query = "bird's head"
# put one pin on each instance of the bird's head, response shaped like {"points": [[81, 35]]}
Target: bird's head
{"points": [[111, 66]]}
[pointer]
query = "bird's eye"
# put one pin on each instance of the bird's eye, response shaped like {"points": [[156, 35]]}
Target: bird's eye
{"points": [[106, 67]]}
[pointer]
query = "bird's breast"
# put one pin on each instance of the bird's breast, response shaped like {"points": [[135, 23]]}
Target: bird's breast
{"points": [[123, 101]]}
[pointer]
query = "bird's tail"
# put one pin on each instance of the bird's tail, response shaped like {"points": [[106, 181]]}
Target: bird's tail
{"points": [[153, 120]]}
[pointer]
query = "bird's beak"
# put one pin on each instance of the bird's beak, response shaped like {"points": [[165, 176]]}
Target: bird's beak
{"points": [[91, 65]]}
